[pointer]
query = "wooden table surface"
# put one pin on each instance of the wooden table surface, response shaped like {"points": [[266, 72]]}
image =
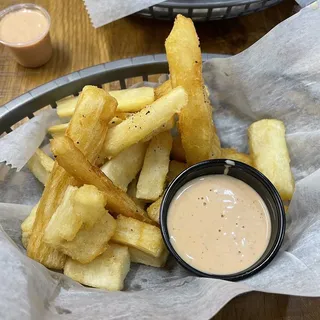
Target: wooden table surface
{"points": [[78, 45]]}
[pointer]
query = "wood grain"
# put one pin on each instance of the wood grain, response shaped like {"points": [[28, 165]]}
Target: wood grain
{"points": [[78, 45], [262, 306]]}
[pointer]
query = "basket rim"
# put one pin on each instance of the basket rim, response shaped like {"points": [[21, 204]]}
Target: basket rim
{"points": [[209, 4], [35, 99]]}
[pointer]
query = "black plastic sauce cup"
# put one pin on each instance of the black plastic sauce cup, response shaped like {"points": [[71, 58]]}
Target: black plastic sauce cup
{"points": [[253, 178]]}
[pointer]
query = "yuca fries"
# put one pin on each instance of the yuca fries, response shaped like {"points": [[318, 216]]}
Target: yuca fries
{"points": [[185, 64], [129, 100], [88, 242], [268, 148], [132, 100], [40, 165], [163, 89], [64, 223], [123, 168], [98, 108], [115, 121], [88, 128], [175, 168], [107, 271], [60, 129], [165, 127], [79, 206], [66, 107], [154, 210], [27, 225], [155, 167], [233, 154], [177, 151], [70, 227], [89, 204], [142, 123], [117, 200], [132, 193], [139, 235], [139, 256]]}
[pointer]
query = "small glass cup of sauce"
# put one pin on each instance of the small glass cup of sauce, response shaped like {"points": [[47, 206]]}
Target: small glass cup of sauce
{"points": [[24, 30], [222, 219]]}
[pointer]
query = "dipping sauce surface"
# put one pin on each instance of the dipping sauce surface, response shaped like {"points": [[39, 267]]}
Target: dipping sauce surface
{"points": [[218, 224], [23, 26], [25, 31]]}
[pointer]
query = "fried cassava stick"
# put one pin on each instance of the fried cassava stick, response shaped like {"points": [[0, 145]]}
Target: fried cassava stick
{"points": [[75, 163], [88, 129], [199, 139]]}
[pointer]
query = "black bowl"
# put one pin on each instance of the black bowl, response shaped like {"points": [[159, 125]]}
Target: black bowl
{"points": [[253, 178]]}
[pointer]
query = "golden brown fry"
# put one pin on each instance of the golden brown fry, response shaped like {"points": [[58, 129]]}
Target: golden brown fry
{"points": [[216, 146], [115, 121], [128, 100], [175, 168], [163, 89], [142, 123], [139, 235], [64, 223], [185, 64], [268, 148], [58, 130], [85, 125], [233, 154], [25, 239], [155, 167], [154, 210], [107, 271], [40, 164], [66, 107], [165, 127], [88, 242], [134, 99], [124, 167], [79, 207], [132, 193], [177, 151], [88, 128], [141, 257], [27, 225], [123, 115], [78, 166], [89, 205], [38, 250], [80, 227]]}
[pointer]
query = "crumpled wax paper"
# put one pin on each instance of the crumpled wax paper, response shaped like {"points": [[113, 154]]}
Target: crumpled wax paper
{"points": [[278, 77], [304, 3], [102, 12], [17, 147]]}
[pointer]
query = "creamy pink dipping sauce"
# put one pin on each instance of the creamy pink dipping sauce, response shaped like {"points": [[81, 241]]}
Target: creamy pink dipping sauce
{"points": [[218, 224], [25, 31]]}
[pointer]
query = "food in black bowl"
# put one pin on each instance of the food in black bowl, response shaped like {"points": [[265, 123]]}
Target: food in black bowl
{"points": [[222, 219]]}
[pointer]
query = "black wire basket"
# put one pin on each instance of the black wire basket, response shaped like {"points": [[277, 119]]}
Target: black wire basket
{"points": [[119, 73], [206, 10]]}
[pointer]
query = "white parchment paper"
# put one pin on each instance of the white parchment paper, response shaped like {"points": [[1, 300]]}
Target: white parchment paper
{"points": [[278, 77], [304, 3], [17, 147], [102, 12]]}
